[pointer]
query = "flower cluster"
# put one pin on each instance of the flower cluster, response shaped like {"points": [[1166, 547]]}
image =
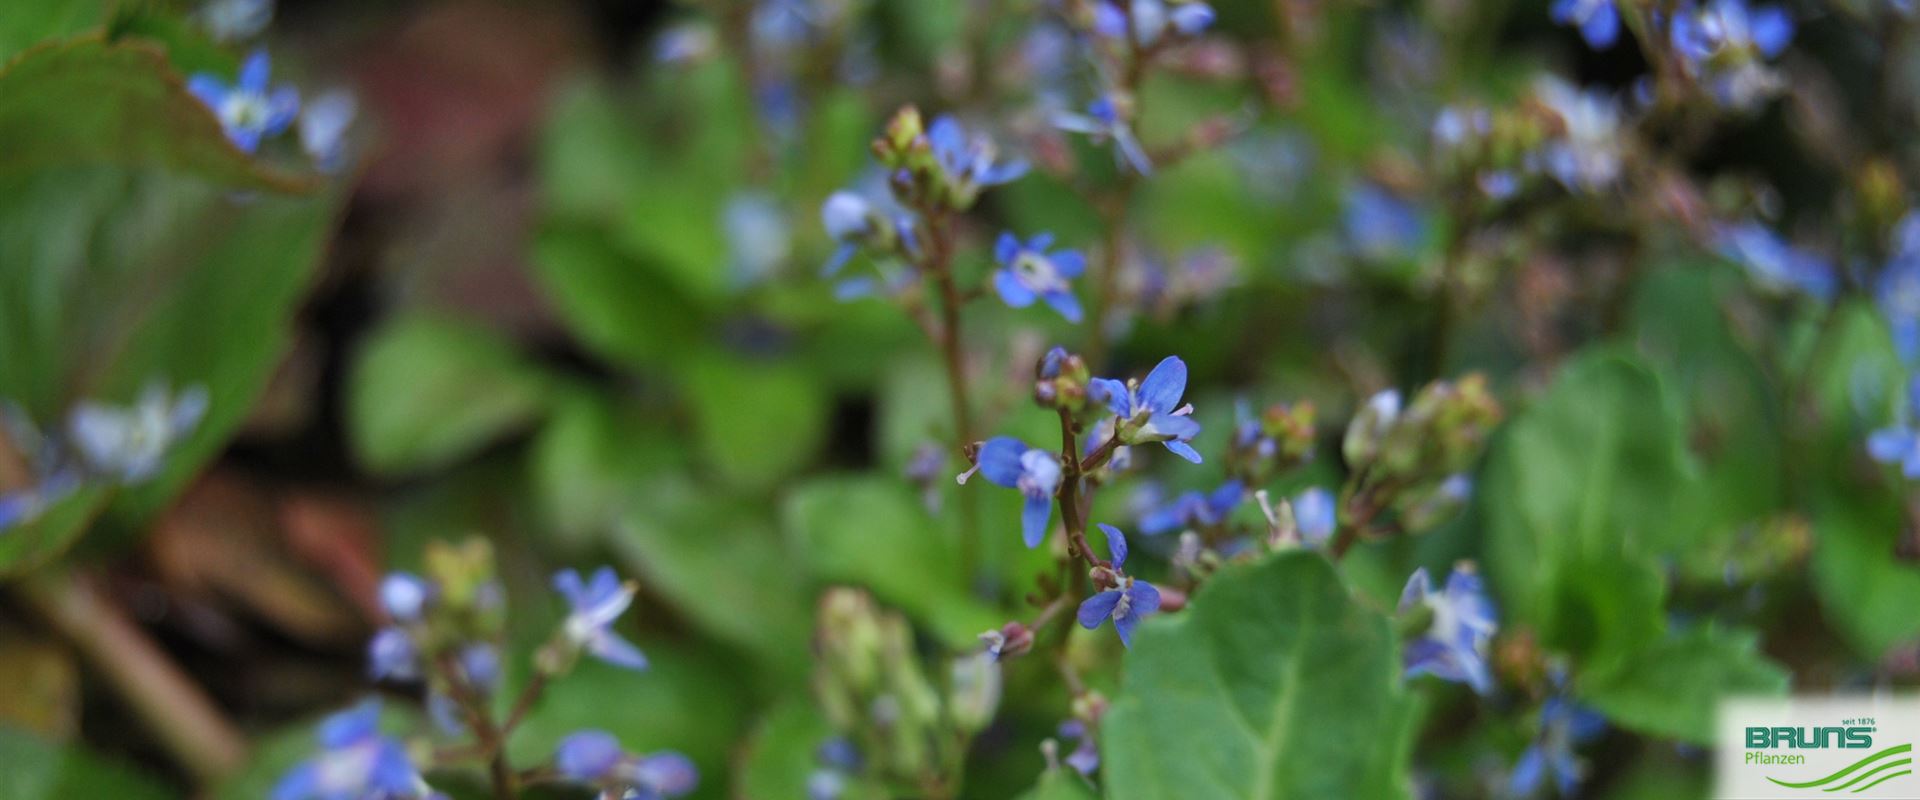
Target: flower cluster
{"points": [[1449, 631], [252, 110]]}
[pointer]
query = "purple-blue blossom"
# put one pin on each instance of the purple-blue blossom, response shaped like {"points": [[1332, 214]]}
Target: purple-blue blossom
{"points": [[355, 762], [1597, 20], [1459, 628], [595, 758], [1009, 462], [1773, 262], [1897, 291], [127, 444], [1149, 410], [1103, 123], [324, 122], [1085, 756], [1029, 272], [404, 596], [1315, 515], [595, 604], [1379, 225], [1127, 601], [1563, 726], [1194, 509], [1899, 444], [248, 109], [391, 656], [970, 162]]}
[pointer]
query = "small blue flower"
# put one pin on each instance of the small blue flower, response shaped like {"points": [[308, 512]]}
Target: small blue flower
{"points": [[1773, 262], [971, 162], [596, 758], [1149, 410], [1085, 758], [1899, 444], [849, 219], [1454, 645], [1191, 18], [1102, 122], [1009, 462], [1563, 725], [1194, 510], [1724, 45], [1598, 20], [1250, 434], [404, 595], [1588, 151], [1028, 272], [392, 656], [1314, 514], [758, 236], [249, 109], [323, 128], [1379, 225], [1127, 601], [355, 762], [1898, 289], [595, 605], [1151, 19], [128, 444], [684, 44], [480, 663]]}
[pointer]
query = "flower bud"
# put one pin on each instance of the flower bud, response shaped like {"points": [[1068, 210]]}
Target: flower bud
{"points": [[1369, 427], [974, 695]]}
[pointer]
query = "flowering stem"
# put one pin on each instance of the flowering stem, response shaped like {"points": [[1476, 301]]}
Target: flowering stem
{"points": [[524, 703], [473, 705]]}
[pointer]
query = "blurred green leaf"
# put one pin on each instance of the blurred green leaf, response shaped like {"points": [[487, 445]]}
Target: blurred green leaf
{"points": [[757, 421], [427, 391], [1865, 591], [95, 102], [781, 753], [725, 568], [1672, 687], [589, 458], [25, 24], [1272, 683], [1591, 472], [32, 768], [869, 531], [612, 302]]}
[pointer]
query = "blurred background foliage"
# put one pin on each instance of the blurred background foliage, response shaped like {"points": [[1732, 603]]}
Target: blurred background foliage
{"points": [[529, 311]]}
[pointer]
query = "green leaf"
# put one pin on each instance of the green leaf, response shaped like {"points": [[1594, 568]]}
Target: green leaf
{"points": [[32, 768], [756, 421], [96, 102], [1591, 472], [25, 24], [781, 753], [426, 392], [1672, 687], [1272, 683], [869, 531], [614, 303], [724, 567]]}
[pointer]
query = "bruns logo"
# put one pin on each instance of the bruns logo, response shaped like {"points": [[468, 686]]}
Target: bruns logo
{"points": [[1805, 746], [1809, 738]]}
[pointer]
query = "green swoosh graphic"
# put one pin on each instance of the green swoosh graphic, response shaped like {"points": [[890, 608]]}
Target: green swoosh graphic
{"points": [[1881, 781], [1900, 748], [1898, 762]]}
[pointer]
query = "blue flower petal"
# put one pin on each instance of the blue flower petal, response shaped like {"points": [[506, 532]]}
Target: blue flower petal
{"points": [[1015, 293], [609, 647], [1006, 248], [1095, 610], [999, 460], [1116, 544], [1113, 393], [1183, 450], [1033, 520], [1163, 386], [1064, 302]]}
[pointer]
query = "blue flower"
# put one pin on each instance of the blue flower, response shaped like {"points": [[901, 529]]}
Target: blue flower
{"points": [[1149, 410], [232, 20], [1151, 19], [1314, 514], [849, 219], [355, 762], [1102, 122], [1250, 434], [1379, 225], [1899, 443], [480, 663], [1127, 601], [1194, 510], [1009, 462], [596, 758], [758, 237], [595, 605], [1454, 644], [392, 656], [1563, 725], [1085, 757], [1587, 153], [1723, 44], [1028, 272], [970, 162], [323, 128], [404, 595], [128, 444], [249, 110], [1598, 20], [1773, 262], [1898, 289]]}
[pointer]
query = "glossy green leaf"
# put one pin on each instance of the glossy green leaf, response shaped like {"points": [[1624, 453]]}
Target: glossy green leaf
{"points": [[756, 420], [1272, 683], [426, 392]]}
